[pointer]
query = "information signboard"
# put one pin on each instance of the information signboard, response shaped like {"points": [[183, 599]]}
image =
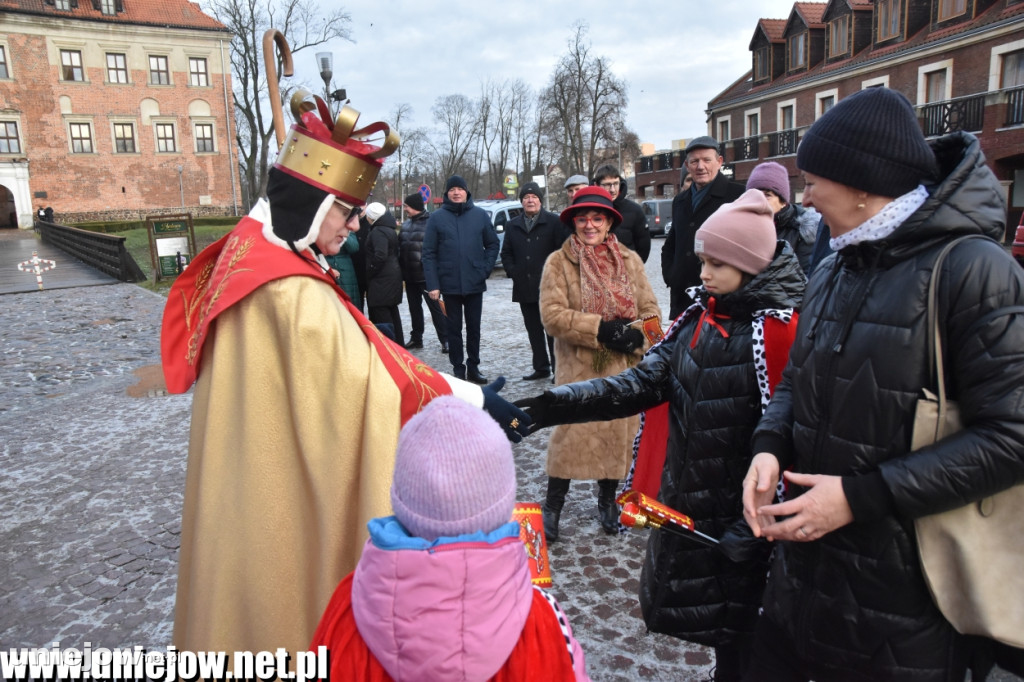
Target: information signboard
{"points": [[172, 244]]}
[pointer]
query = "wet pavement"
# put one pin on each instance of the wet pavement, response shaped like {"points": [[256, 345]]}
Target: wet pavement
{"points": [[92, 468]]}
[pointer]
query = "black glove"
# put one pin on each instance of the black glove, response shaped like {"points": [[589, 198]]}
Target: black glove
{"points": [[739, 544], [617, 335], [536, 408], [515, 422]]}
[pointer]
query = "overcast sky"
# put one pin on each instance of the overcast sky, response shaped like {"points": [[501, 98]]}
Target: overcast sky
{"points": [[675, 55]]}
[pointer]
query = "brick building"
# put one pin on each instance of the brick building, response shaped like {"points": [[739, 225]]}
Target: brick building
{"points": [[114, 109], [960, 62]]}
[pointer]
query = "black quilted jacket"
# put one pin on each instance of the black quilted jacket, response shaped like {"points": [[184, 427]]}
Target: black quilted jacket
{"points": [[695, 593], [854, 603]]}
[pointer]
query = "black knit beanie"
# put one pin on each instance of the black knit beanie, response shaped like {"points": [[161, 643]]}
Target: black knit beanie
{"points": [[870, 141], [455, 181], [414, 201]]}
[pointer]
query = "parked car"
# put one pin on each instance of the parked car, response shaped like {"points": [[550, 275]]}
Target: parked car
{"points": [[501, 212], [1018, 242], [659, 215]]}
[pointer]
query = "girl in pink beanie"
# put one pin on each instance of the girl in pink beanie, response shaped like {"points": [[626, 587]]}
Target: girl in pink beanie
{"points": [[701, 391], [442, 590]]}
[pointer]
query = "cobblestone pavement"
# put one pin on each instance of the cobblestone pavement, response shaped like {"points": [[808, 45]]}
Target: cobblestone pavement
{"points": [[92, 470]]}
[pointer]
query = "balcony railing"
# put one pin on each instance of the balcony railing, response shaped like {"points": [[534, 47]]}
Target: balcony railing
{"points": [[746, 148], [647, 164], [782, 142], [1015, 106], [962, 113]]}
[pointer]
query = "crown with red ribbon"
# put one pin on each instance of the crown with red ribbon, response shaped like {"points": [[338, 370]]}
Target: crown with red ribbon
{"points": [[327, 153]]}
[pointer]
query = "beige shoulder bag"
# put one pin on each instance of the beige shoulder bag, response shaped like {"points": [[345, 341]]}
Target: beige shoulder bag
{"points": [[972, 556]]}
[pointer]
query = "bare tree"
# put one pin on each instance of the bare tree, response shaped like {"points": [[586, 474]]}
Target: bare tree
{"points": [[500, 107], [582, 105], [304, 24], [456, 115]]}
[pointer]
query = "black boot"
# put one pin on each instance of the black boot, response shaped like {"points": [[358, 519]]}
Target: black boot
{"points": [[552, 508], [607, 510]]}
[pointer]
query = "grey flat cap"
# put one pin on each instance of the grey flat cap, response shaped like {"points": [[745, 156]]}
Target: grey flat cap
{"points": [[576, 180], [703, 142]]}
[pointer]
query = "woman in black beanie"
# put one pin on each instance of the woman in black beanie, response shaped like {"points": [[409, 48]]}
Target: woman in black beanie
{"points": [[846, 598]]}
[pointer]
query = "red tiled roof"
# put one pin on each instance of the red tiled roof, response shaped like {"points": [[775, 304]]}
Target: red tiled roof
{"points": [[993, 14], [773, 28], [810, 12], [172, 13]]}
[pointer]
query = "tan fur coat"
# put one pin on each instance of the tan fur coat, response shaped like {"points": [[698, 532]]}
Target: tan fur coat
{"points": [[599, 449]]}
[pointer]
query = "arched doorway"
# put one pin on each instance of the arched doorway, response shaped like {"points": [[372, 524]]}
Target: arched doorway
{"points": [[8, 211]]}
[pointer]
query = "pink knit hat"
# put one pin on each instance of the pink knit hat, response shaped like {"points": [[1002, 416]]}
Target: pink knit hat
{"points": [[740, 234], [454, 472], [770, 175]]}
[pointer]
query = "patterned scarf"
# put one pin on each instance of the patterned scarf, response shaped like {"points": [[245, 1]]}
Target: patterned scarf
{"points": [[604, 284]]}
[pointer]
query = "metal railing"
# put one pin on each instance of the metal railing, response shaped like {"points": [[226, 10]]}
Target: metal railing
{"points": [[746, 148], [782, 142], [1015, 106], [962, 113]]}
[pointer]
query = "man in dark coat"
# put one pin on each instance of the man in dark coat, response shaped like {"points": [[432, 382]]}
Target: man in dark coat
{"points": [[383, 273], [459, 251], [530, 238], [710, 189], [632, 232], [411, 259]]}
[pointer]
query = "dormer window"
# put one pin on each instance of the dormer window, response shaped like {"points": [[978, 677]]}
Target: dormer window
{"points": [[888, 19], [798, 51], [62, 4], [839, 36], [108, 7], [951, 8], [760, 63]]}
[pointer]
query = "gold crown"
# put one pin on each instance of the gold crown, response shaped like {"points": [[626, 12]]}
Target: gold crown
{"points": [[333, 157], [325, 153]]}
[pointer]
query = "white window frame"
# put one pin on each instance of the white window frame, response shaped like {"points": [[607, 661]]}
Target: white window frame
{"points": [[746, 122], [718, 127], [163, 120], [7, 54], [779, 106], [212, 122], [819, 96], [206, 71], [922, 80], [875, 82], [78, 121], [135, 135], [995, 67], [16, 120]]}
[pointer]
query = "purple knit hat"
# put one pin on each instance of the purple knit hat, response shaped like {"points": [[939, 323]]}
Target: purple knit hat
{"points": [[454, 472], [740, 234], [770, 175]]}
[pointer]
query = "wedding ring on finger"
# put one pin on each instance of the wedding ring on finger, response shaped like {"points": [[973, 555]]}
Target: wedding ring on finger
{"points": [[802, 532]]}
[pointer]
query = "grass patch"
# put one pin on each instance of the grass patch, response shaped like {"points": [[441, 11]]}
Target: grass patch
{"points": [[137, 243]]}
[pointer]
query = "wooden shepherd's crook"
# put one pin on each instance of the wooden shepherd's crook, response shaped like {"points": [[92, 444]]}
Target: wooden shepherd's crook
{"points": [[270, 64]]}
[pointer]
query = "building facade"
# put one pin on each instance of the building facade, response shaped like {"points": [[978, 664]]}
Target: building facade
{"points": [[114, 109], [960, 62]]}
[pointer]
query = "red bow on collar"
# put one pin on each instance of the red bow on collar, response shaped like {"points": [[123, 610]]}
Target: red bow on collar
{"points": [[710, 316]]}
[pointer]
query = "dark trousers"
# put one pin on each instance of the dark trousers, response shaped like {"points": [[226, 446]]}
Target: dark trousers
{"points": [[416, 293], [678, 302], [471, 307], [388, 314], [543, 345]]}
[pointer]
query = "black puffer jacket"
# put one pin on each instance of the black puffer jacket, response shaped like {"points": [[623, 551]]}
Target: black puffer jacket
{"points": [[712, 389], [411, 247], [383, 273], [854, 602], [523, 253], [798, 226]]}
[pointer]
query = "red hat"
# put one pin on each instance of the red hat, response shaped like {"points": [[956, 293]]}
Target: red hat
{"points": [[591, 197]]}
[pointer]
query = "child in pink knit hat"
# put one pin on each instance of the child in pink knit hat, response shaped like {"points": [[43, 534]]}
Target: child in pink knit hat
{"points": [[702, 390], [442, 590]]}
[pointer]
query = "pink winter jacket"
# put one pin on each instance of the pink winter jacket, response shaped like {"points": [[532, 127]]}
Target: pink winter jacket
{"points": [[448, 610]]}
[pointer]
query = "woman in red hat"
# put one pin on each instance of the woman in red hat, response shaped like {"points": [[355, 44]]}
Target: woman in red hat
{"points": [[592, 289]]}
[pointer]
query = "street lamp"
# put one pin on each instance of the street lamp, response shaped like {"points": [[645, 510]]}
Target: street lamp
{"points": [[325, 60]]}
